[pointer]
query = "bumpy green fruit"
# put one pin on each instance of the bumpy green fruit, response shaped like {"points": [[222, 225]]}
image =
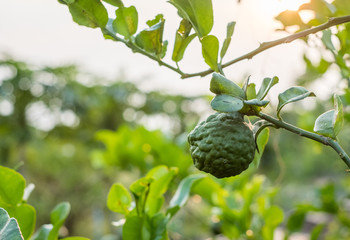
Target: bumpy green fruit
{"points": [[223, 145]]}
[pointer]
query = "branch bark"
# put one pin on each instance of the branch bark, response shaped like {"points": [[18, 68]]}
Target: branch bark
{"points": [[266, 45]]}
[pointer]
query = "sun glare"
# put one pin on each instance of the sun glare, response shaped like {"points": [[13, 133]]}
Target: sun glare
{"points": [[277, 6]]}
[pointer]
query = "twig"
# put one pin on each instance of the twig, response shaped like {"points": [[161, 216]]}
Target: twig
{"points": [[314, 136], [266, 45]]}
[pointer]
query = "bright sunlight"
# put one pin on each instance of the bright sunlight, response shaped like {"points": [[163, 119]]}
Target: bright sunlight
{"points": [[277, 6]]}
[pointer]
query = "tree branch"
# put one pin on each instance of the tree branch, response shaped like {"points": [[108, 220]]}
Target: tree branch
{"points": [[314, 136], [266, 45]]}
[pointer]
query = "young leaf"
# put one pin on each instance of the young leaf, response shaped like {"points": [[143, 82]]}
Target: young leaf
{"points": [[89, 13], [43, 232], [265, 87], [339, 116], [126, 21], [227, 41], [182, 193], [250, 92], [210, 49], [182, 39], [58, 216], [292, 94], [119, 199], [9, 228], [151, 39], [226, 103], [198, 12], [261, 139], [12, 185], [221, 85]]}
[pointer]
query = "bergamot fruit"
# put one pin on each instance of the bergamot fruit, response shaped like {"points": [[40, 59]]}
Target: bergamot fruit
{"points": [[223, 145]]}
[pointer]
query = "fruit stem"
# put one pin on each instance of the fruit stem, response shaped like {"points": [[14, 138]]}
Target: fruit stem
{"points": [[304, 133]]}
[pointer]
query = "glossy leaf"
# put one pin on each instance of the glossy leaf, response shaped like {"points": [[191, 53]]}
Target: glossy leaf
{"points": [[325, 124], [43, 232], [227, 41], [292, 94], [226, 103], [117, 3], [265, 87], [58, 215], [151, 39], [183, 191], [221, 85], [182, 39], [126, 21], [25, 215], [210, 49], [9, 228], [198, 12], [89, 13], [12, 185], [119, 199]]}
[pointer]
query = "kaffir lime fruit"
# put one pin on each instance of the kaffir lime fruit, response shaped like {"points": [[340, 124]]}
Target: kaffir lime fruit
{"points": [[223, 145]]}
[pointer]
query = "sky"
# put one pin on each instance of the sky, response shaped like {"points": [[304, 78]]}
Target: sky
{"points": [[42, 32]]}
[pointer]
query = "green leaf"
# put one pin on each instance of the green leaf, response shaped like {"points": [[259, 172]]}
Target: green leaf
{"points": [[261, 139], [43, 232], [221, 85], [256, 102], [210, 49], [119, 199], [182, 39], [162, 176], [273, 216], [226, 103], [126, 21], [265, 87], [140, 186], [151, 39], [75, 238], [296, 220], [339, 116], [117, 3], [227, 41], [290, 18], [182, 193], [327, 39], [316, 231], [58, 215], [250, 92], [292, 94], [9, 229], [89, 13], [324, 124], [198, 12], [12, 185], [26, 217], [159, 227], [132, 228]]}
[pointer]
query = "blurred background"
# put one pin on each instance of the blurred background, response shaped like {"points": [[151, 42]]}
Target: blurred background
{"points": [[78, 113]]}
